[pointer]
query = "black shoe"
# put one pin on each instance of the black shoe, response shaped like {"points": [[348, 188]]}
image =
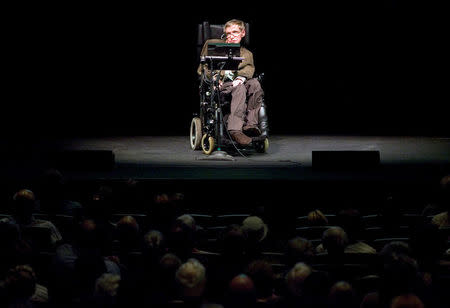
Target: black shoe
{"points": [[251, 131], [240, 137]]}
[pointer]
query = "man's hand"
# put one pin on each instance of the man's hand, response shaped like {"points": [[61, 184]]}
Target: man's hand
{"points": [[237, 82]]}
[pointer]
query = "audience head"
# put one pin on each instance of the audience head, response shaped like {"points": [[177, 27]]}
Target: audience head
{"points": [[100, 204], [23, 206], [254, 228], [394, 249], [233, 241], [241, 292], [399, 275], [317, 218], [444, 195], [154, 243], [350, 221], [20, 282], [295, 278], [188, 221], [299, 249], [262, 275], [168, 266], [342, 295], [191, 278], [181, 236], [128, 232], [165, 211], [334, 240], [106, 289], [89, 237], [406, 301]]}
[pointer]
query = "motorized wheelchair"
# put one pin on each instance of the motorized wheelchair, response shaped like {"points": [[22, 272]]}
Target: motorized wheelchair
{"points": [[208, 127]]}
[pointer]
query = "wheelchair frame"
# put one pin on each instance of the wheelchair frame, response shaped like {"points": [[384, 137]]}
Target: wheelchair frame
{"points": [[207, 128]]}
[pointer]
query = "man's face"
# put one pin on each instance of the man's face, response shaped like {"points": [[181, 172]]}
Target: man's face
{"points": [[234, 34]]}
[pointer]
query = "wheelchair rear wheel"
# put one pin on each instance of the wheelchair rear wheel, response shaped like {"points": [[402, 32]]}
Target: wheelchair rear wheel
{"points": [[208, 144], [195, 135]]}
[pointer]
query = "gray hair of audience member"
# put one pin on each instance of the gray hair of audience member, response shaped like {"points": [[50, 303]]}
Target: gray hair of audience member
{"points": [[255, 228], [191, 277], [334, 240], [107, 285], [295, 278], [188, 221]]}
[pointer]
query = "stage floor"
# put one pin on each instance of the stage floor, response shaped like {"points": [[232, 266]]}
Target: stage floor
{"points": [[289, 157]]}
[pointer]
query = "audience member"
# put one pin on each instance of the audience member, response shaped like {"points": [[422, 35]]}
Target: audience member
{"points": [[23, 205], [181, 237], [263, 277], [406, 301], [334, 242], [160, 286], [77, 265], [165, 209], [21, 289], [295, 285], [128, 235], [53, 195], [317, 218], [299, 249], [191, 281], [400, 275], [241, 293], [255, 231], [350, 220], [441, 219], [342, 295], [106, 290], [231, 261]]}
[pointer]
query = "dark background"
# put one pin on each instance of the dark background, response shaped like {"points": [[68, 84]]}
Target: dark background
{"points": [[331, 68]]}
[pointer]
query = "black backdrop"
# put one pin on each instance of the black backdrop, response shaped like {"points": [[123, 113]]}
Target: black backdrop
{"points": [[341, 68]]}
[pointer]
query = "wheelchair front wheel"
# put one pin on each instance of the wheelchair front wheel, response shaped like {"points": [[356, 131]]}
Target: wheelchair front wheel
{"points": [[262, 146], [195, 136], [208, 144]]}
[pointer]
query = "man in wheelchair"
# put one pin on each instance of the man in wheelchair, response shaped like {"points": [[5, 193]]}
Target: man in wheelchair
{"points": [[239, 87]]}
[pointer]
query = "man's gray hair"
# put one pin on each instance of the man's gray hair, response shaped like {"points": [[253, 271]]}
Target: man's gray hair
{"points": [[107, 284], [191, 273]]}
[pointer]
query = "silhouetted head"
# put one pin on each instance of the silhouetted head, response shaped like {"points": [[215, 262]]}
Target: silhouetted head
{"points": [[335, 240], [23, 206], [299, 249], [241, 292], [295, 278], [191, 278], [342, 295]]}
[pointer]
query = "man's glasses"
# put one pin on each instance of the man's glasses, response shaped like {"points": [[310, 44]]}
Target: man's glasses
{"points": [[232, 34]]}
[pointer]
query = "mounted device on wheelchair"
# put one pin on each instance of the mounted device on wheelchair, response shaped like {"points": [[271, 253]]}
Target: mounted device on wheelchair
{"points": [[208, 129]]}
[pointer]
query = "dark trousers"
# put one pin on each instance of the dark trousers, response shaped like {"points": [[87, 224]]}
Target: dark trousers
{"points": [[246, 100]]}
